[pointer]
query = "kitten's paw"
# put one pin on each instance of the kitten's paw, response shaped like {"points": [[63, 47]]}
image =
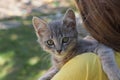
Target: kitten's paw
{"points": [[44, 78], [117, 77], [113, 75]]}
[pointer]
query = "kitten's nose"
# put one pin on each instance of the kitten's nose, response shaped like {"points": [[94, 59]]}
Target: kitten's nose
{"points": [[59, 51]]}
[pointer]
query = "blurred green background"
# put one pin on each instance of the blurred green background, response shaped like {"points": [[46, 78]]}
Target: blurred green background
{"points": [[21, 57]]}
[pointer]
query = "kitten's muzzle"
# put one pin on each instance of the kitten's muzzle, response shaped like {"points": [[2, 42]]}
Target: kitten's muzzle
{"points": [[59, 51]]}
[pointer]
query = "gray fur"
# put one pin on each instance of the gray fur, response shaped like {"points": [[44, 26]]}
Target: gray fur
{"points": [[57, 30]]}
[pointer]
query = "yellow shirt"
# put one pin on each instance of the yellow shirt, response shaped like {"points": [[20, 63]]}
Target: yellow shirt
{"points": [[86, 66]]}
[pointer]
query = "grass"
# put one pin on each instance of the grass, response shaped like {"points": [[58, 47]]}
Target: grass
{"points": [[21, 57]]}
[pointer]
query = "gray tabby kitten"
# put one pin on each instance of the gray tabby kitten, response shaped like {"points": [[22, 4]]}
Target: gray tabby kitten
{"points": [[60, 39]]}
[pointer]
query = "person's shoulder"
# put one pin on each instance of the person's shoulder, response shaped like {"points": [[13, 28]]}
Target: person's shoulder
{"points": [[117, 58], [86, 62], [84, 58], [81, 67], [86, 67]]}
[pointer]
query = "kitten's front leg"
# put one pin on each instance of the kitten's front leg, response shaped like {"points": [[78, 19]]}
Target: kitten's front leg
{"points": [[109, 65], [51, 72]]}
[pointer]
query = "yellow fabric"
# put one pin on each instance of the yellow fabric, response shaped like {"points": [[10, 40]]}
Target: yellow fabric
{"points": [[83, 67]]}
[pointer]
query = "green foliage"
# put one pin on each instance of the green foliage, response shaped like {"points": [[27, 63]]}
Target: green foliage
{"points": [[21, 57]]}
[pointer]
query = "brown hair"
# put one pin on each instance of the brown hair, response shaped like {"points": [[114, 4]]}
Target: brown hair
{"points": [[102, 19]]}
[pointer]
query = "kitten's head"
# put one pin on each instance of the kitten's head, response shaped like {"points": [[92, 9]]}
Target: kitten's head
{"points": [[59, 36]]}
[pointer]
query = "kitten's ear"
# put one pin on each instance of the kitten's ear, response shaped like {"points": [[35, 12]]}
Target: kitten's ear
{"points": [[69, 18], [39, 25]]}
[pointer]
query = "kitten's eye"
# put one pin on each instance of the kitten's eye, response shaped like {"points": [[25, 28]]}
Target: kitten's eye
{"points": [[65, 39], [50, 42]]}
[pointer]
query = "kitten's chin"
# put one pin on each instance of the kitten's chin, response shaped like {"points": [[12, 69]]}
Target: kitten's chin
{"points": [[60, 55]]}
